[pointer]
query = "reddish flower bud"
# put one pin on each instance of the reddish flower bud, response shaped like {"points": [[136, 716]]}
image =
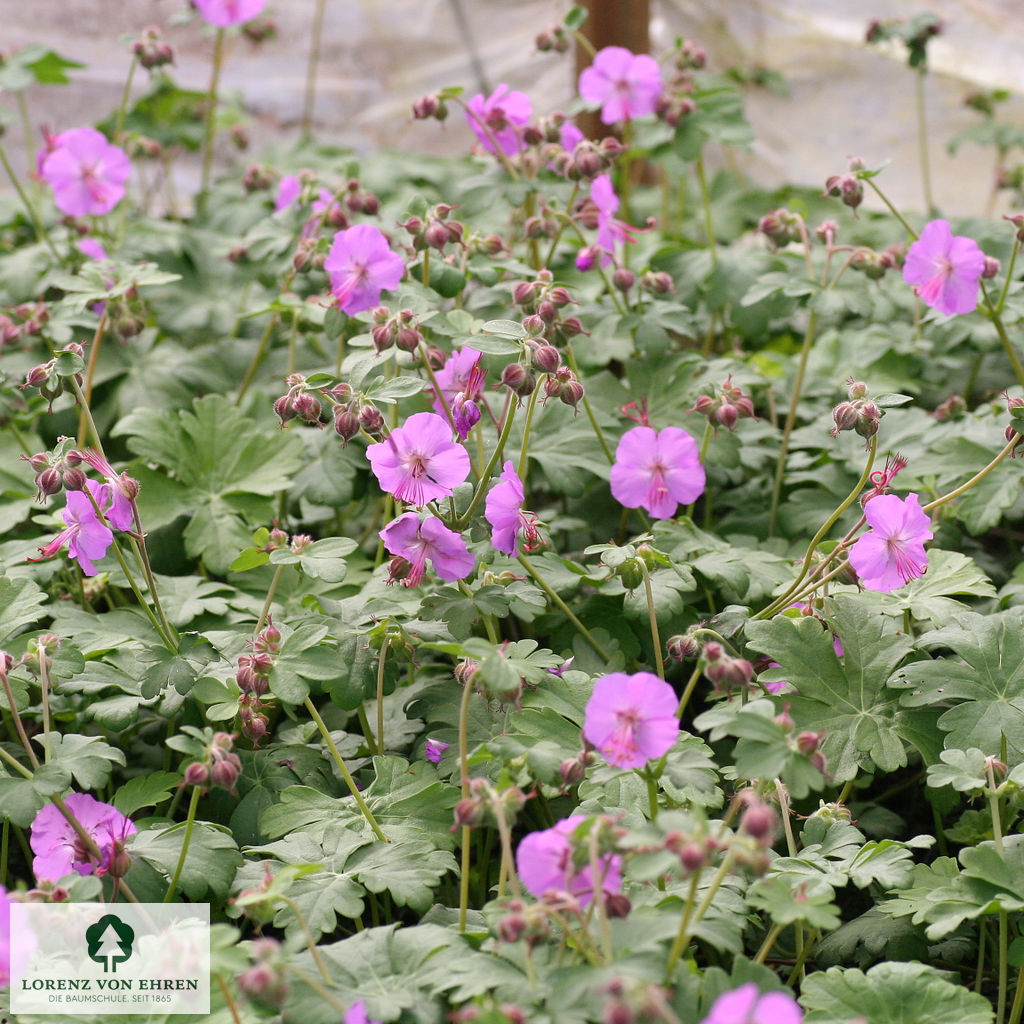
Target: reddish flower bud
{"points": [[519, 379], [623, 279], [547, 358], [74, 479], [346, 423], [196, 774], [991, 267], [759, 821], [682, 646], [371, 420]]}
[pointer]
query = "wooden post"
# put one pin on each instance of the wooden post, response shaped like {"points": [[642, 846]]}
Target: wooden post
{"points": [[611, 23]]}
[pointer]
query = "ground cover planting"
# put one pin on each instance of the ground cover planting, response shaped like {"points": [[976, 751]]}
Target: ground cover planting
{"points": [[560, 581]]}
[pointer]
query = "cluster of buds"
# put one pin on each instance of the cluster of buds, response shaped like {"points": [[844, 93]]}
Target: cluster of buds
{"points": [[724, 406], [49, 378], [300, 402], [630, 1001], [431, 105], [140, 147], [1013, 407], [151, 51], [690, 55], [361, 200], [573, 770], [847, 186], [676, 101], [858, 412], [258, 178], [220, 765], [553, 39], [726, 672], [805, 741], [260, 30], [485, 1009], [953, 408], [587, 159], [915, 35], [524, 922], [543, 299], [695, 848], [657, 282], [486, 805], [253, 675], [266, 982], [781, 227], [399, 329], [873, 265], [434, 230], [56, 470], [564, 385], [36, 657], [682, 647]]}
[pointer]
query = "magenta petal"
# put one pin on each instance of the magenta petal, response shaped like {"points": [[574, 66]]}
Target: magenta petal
{"points": [[631, 719], [447, 550]]}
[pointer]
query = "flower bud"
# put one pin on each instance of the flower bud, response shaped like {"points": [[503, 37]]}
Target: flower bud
{"points": [[519, 379], [285, 409], [469, 812], [759, 821], [225, 772], [196, 774], [48, 482], [346, 423], [623, 279], [991, 267], [845, 417], [307, 407], [547, 358], [682, 646], [713, 651], [371, 420], [74, 479]]}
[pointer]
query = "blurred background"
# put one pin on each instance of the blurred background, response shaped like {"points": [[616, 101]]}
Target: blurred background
{"points": [[817, 94]]}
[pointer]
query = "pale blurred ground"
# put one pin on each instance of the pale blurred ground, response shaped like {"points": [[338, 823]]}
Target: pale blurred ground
{"points": [[379, 55]]}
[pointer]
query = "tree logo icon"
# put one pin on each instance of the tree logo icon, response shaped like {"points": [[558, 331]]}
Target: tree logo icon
{"points": [[109, 942]]}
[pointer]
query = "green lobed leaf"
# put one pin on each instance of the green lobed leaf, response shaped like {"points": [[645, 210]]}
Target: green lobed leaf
{"points": [[891, 993], [846, 697]]}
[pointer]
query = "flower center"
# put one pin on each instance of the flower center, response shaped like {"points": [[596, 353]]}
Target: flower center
{"points": [[416, 464]]}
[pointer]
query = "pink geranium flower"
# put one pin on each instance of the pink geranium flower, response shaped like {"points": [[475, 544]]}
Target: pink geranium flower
{"points": [[86, 172], [631, 719], [288, 190], [503, 509], [626, 84], [57, 846], [893, 552], [609, 230], [657, 471], [417, 542], [945, 269], [225, 13], [356, 1014], [460, 382], [544, 860], [122, 489], [434, 750], [419, 462], [503, 112], [746, 1005], [86, 537], [361, 265]]}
